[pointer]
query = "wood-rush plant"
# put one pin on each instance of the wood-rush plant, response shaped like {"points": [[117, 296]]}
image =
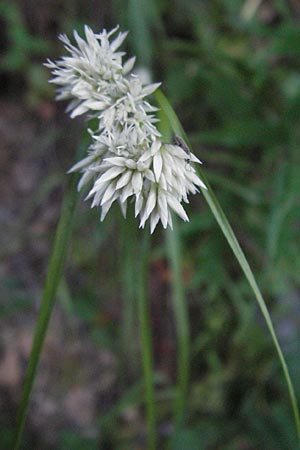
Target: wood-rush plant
{"points": [[129, 161]]}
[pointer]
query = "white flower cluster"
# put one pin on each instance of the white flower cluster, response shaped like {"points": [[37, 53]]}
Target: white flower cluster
{"points": [[127, 159]]}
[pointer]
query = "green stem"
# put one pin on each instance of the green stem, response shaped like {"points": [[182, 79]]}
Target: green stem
{"points": [[180, 308], [146, 342], [238, 252], [128, 269], [240, 256], [179, 303], [58, 256]]}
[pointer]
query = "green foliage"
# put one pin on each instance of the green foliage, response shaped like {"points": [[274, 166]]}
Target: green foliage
{"points": [[24, 52], [232, 71], [231, 68], [22, 45], [75, 442]]}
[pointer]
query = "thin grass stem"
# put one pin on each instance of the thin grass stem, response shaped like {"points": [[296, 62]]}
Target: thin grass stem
{"points": [[180, 308], [128, 268], [146, 342], [57, 259], [238, 252]]}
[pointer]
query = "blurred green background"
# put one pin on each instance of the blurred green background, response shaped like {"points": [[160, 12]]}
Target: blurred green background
{"points": [[231, 69]]}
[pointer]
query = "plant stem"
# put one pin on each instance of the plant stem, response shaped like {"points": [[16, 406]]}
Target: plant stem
{"points": [[180, 309], [240, 256], [238, 252], [146, 342], [180, 306], [58, 256], [128, 268]]}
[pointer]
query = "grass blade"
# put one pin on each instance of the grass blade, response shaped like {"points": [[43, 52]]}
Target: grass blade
{"points": [[146, 342], [238, 252], [58, 256]]}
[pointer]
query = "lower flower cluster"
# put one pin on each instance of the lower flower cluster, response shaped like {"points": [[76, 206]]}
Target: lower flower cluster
{"points": [[157, 181]]}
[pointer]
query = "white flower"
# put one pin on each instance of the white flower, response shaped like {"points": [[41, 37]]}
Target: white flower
{"points": [[127, 160]]}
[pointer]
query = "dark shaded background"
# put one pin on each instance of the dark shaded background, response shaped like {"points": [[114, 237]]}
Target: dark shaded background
{"points": [[231, 70]]}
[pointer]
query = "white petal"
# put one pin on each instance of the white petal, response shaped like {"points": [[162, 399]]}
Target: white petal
{"points": [[163, 209], [97, 105], [151, 202], [170, 222], [116, 161], [115, 44], [86, 177], [177, 151], [130, 164], [127, 192], [163, 182], [97, 193], [196, 180], [145, 156], [84, 162], [155, 147], [176, 206], [81, 109], [111, 173], [110, 33], [80, 42], [194, 158], [123, 206], [105, 208], [71, 105], [137, 181], [97, 199], [154, 221], [157, 165], [128, 66], [124, 179], [111, 189], [147, 90], [149, 175], [138, 204]]}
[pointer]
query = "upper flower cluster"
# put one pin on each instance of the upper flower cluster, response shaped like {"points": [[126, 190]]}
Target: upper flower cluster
{"points": [[127, 159]]}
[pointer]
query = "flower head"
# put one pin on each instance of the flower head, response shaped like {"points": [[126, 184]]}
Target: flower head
{"points": [[127, 160]]}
